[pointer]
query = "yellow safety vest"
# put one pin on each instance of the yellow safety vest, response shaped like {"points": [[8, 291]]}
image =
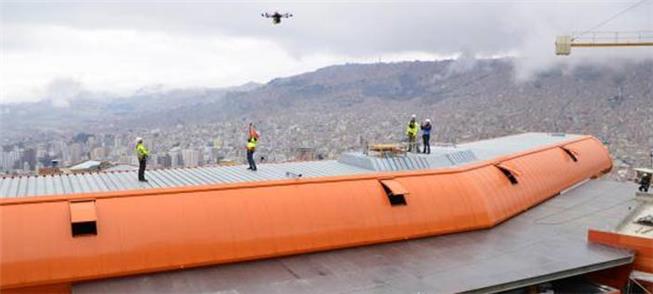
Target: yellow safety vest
{"points": [[412, 131], [251, 143], [141, 151]]}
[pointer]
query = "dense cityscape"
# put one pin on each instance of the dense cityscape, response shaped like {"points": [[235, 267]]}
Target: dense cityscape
{"points": [[191, 145], [338, 109]]}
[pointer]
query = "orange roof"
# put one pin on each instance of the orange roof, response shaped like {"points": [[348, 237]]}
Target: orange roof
{"points": [[163, 229]]}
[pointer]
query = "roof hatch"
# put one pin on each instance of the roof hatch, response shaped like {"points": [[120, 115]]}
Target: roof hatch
{"points": [[395, 191], [83, 220], [573, 154], [509, 172]]}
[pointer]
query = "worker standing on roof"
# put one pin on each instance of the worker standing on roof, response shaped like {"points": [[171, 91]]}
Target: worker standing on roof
{"points": [[426, 136], [252, 140], [411, 132], [645, 182], [142, 153]]}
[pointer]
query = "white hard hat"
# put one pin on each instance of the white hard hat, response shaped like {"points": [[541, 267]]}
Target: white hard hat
{"points": [[413, 116], [139, 140], [428, 120]]}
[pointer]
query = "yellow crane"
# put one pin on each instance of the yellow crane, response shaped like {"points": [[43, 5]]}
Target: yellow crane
{"points": [[591, 38], [603, 39]]}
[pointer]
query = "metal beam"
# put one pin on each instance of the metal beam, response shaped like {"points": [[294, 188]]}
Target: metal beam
{"points": [[615, 44]]}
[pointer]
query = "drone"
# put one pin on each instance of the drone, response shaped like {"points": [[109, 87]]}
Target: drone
{"points": [[276, 16]]}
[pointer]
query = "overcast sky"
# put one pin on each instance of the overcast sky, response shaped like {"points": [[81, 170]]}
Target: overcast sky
{"points": [[118, 47]]}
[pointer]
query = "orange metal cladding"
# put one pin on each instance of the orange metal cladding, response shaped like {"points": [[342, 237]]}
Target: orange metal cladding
{"points": [[642, 246], [164, 229]]}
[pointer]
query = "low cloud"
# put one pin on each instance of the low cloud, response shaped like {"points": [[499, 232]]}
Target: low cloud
{"points": [[120, 47], [61, 92]]}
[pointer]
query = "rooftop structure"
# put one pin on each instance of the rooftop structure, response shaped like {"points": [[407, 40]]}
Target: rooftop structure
{"points": [[635, 233], [349, 164], [230, 214], [542, 244], [86, 165], [640, 221]]}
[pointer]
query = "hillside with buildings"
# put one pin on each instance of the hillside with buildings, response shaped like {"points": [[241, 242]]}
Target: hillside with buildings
{"points": [[341, 107]]}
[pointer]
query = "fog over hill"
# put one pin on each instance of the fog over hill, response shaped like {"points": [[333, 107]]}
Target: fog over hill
{"points": [[85, 111], [341, 105]]}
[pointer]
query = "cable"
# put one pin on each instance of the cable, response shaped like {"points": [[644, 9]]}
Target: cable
{"points": [[610, 19]]}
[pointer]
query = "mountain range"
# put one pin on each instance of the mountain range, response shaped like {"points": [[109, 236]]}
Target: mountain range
{"points": [[466, 98]]}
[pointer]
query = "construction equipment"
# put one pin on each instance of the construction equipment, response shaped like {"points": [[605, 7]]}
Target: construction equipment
{"points": [[564, 44], [385, 150], [592, 38]]}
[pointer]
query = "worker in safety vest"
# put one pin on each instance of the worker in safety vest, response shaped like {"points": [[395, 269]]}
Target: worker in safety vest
{"points": [[411, 132], [142, 153], [252, 140]]}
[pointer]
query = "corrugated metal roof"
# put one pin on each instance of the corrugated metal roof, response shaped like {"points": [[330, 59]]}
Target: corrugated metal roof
{"points": [[393, 163], [461, 157], [349, 164], [165, 178], [486, 149], [86, 165]]}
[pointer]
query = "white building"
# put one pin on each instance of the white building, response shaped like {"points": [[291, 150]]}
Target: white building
{"points": [[191, 157]]}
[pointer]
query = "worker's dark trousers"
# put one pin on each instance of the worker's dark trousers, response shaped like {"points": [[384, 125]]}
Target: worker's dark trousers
{"points": [[141, 169], [250, 159], [644, 184], [427, 145]]}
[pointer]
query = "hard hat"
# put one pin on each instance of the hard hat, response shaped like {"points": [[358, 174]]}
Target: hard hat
{"points": [[139, 140], [428, 120], [413, 116]]}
